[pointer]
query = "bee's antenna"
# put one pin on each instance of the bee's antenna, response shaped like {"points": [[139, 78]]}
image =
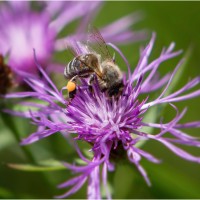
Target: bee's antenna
{"points": [[113, 57]]}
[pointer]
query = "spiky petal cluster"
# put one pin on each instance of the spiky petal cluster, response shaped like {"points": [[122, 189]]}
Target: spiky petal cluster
{"points": [[111, 125], [23, 29]]}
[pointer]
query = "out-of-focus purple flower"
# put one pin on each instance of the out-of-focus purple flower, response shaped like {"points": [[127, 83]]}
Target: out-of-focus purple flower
{"points": [[23, 29], [111, 126]]}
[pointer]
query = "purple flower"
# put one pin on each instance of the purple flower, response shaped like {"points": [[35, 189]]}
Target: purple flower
{"points": [[114, 127], [23, 29]]}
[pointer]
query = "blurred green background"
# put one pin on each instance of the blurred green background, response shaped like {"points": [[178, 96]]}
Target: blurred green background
{"points": [[174, 177]]}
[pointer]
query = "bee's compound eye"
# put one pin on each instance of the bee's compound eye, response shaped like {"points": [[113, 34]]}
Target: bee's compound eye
{"points": [[71, 86]]}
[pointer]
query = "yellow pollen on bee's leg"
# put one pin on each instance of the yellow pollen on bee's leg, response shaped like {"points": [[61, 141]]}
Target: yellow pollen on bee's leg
{"points": [[71, 86]]}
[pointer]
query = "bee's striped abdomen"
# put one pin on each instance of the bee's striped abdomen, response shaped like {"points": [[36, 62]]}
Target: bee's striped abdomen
{"points": [[76, 67]]}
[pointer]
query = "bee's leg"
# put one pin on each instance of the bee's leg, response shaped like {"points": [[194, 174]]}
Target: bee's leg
{"points": [[91, 80], [72, 86], [74, 79], [72, 94]]}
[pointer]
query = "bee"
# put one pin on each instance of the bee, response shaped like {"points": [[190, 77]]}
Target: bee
{"points": [[97, 62]]}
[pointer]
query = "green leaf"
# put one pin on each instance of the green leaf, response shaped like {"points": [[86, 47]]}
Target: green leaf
{"points": [[6, 139], [5, 193], [79, 161], [167, 177], [24, 108], [48, 165]]}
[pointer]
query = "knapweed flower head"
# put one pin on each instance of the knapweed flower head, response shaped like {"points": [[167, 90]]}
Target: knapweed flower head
{"points": [[23, 28], [111, 125]]}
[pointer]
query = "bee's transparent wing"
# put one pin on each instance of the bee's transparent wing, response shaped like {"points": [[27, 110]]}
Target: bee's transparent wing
{"points": [[73, 47], [97, 44]]}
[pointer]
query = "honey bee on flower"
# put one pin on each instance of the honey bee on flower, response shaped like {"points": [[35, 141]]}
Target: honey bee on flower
{"points": [[96, 62], [111, 125]]}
